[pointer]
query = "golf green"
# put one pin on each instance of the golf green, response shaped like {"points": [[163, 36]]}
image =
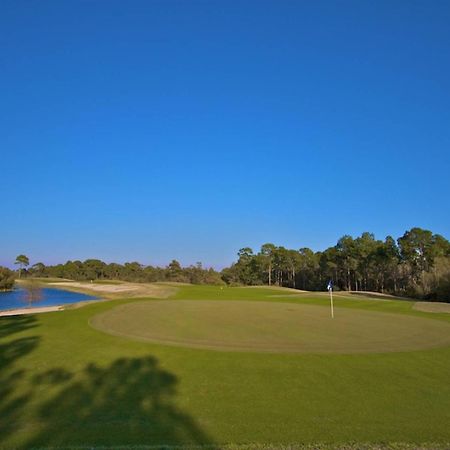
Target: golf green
{"points": [[271, 327]]}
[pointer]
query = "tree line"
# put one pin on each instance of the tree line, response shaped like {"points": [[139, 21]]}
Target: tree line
{"points": [[417, 264], [95, 269]]}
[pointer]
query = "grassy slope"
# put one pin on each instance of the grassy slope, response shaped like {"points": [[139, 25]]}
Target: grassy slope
{"points": [[63, 383]]}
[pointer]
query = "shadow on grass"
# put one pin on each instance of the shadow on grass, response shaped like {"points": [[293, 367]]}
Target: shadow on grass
{"points": [[130, 402], [13, 402], [16, 324]]}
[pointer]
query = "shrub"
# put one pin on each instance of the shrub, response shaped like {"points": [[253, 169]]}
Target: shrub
{"points": [[6, 279]]}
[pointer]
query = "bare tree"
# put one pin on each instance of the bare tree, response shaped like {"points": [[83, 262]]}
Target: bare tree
{"points": [[33, 292]]}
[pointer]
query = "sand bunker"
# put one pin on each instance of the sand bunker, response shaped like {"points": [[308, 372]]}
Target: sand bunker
{"points": [[433, 307], [119, 290]]}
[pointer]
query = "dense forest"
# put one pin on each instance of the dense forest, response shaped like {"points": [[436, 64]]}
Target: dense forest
{"points": [[417, 265]]}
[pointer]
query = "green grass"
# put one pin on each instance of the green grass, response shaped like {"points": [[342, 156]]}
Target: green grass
{"points": [[65, 384], [274, 327]]}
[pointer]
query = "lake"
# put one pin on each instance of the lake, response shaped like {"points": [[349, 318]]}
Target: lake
{"points": [[50, 297]]}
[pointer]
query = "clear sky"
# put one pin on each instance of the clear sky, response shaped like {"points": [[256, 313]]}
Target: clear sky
{"points": [[151, 130]]}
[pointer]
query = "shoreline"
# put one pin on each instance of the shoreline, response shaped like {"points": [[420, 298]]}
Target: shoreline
{"points": [[97, 292], [51, 308], [32, 310]]}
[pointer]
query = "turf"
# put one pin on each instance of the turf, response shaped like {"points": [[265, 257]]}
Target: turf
{"points": [[65, 384], [271, 327]]}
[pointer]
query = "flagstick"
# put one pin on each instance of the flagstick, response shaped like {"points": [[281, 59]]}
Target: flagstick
{"points": [[331, 301]]}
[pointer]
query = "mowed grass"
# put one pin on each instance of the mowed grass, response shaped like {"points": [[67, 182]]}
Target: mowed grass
{"points": [[65, 384], [270, 327]]}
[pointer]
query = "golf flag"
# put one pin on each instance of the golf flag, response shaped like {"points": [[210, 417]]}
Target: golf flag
{"points": [[330, 290]]}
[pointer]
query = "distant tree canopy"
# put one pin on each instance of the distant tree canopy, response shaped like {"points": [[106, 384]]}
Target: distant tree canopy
{"points": [[95, 269], [417, 265], [6, 279]]}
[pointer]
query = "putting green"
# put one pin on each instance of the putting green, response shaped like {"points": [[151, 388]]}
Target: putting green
{"points": [[271, 327]]}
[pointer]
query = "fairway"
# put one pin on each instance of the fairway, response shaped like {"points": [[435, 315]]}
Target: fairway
{"points": [[271, 327]]}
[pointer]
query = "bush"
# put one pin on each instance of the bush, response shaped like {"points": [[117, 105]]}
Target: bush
{"points": [[6, 279]]}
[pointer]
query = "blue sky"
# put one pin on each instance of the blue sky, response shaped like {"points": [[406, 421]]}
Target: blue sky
{"points": [[152, 130]]}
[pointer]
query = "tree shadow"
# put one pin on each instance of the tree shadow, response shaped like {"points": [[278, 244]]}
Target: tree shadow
{"points": [[12, 400], [130, 402], [15, 324]]}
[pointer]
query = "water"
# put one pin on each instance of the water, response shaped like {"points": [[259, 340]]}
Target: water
{"points": [[49, 297]]}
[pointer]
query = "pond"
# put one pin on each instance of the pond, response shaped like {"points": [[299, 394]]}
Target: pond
{"points": [[49, 297]]}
